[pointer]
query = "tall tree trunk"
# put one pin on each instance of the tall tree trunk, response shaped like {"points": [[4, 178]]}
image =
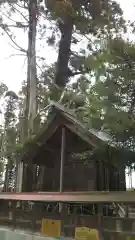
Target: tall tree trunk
{"points": [[31, 106], [66, 28], [31, 96]]}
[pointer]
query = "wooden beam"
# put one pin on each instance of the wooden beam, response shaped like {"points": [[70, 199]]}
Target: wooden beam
{"points": [[91, 197]]}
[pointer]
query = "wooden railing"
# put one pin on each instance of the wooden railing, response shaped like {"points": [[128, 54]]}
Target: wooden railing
{"points": [[31, 221], [85, 197], [16, 211]]}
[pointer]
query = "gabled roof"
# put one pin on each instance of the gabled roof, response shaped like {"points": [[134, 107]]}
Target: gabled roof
{"points": [[70, 121], [70, 114]]}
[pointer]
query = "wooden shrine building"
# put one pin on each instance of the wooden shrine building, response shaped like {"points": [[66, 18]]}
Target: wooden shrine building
{"points": [[54, 159]]}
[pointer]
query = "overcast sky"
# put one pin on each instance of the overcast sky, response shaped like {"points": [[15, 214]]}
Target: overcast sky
{"points": [[13, 68]]}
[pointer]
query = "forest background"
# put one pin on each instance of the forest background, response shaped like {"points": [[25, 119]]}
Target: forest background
{"points": [[99, 81]]}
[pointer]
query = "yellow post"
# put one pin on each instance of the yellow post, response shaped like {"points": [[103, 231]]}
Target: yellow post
{"points": [[51, 228], [84, 233]]}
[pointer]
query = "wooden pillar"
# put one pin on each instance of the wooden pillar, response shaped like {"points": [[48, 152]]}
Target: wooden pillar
{"points": [[27, 178], [100, 219], [6, 179], [106, 177], [62, 162], [101, 175], [127, 210], [19, 176], [13, 214], [62, 159], [30, 177], [34, 177], [34, 212], [24, 179]]}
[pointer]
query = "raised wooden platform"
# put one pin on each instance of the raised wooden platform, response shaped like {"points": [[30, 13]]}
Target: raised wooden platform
{"points": [[83, 197]]}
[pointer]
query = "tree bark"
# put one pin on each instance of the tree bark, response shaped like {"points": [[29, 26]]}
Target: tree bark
{"points": [[31, 95], [31, 70], [66, 28]]}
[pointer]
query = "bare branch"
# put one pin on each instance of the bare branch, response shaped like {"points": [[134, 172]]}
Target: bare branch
{"points": [[41, 58], [12, 26], [14, 55], [11, 18], [90, 40], [39, 67], [12, 46], [12, 40], [24, 7], [24, 62], [13, 6]]}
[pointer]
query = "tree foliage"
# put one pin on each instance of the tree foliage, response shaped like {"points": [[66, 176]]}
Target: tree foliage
{"points": [[96, 19]]}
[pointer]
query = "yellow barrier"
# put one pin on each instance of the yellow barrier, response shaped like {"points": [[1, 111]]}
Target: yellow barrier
{"points": [[84, 233], [81, 233], [51, 228], [93, 234]]}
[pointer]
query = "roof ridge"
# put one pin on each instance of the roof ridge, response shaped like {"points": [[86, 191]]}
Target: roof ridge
{"points": [[61, 107]]}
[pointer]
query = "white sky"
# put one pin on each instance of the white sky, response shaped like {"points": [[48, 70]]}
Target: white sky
{"points": [[13, 68]]}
